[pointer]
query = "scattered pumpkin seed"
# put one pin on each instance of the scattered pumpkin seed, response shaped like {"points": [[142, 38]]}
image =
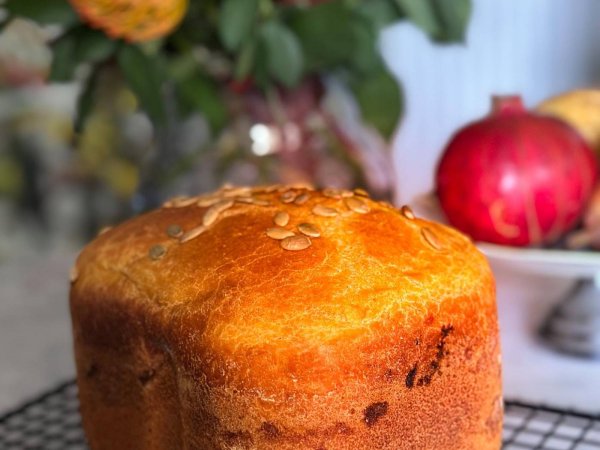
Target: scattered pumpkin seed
{"points": [[332, 193], [104, 230], [309, 229], [357, 205], [174, 231], [324, 211], [295, 243], [302, 198], [192, 234], [157, 251], [212, 214], [185, 202], [207, 201], [281, 218], [288, 197], [279, 233], [431, 238], [407, 212]]}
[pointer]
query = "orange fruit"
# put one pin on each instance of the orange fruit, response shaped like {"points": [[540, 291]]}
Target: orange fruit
{"points": [[132, 20], [580, 109]]}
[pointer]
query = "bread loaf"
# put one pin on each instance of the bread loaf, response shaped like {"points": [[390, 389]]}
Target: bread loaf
{"points": [[285, 318]]}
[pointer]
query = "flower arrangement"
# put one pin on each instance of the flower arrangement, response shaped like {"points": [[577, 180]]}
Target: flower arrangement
{"points": [[298, 87]]}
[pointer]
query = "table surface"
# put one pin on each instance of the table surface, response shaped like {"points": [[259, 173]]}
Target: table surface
{"points": [[35, 336], [35, 330]]}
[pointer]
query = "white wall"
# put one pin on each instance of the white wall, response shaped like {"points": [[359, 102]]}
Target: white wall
{"points": [[533, 47]]}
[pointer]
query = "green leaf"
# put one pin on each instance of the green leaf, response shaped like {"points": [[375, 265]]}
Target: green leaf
{"points": [[201, 94], [57, 12], [380, 101], [423, 14], [379, 12], [326, 33], [235, 21], [85, 101], [245, 60], [454, 17], [93, 46], [144, 78], [366, 57], [64, 62], [181, 65], [442, 20], [284, 54], [79, 44], [260, 72]]}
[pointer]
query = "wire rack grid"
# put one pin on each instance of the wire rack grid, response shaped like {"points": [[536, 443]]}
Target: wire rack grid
{"points": [[51, 422]]}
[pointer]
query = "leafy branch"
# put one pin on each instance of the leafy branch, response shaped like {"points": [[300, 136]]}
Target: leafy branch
{"points": [[258, 43]]}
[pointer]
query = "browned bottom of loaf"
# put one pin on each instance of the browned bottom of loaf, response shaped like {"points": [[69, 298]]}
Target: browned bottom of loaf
{"points": [[142, 400]]}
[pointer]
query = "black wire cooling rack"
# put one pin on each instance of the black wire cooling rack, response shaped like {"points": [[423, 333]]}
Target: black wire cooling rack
{"points": [[51, 422], [534, 427], [48, 422]]}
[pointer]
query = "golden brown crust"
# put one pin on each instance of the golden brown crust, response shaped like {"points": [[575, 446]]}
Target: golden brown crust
{"points": [[380, 333]]}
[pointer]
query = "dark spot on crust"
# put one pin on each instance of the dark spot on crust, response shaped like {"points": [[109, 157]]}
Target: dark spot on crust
{"points": [[410, 377], [440, 350], [424, 380], [270, 430], [352, 411], [237, 438], [434, 365], [417, 341], [91, 371], [146, 376], [388, 375], [374, 412], [446, 330]]}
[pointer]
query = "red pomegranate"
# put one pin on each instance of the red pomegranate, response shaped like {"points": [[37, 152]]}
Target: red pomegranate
{"points": [[516, 178]]}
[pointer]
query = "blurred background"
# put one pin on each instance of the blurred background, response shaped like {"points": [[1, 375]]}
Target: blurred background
{"points": [[108, 109]]}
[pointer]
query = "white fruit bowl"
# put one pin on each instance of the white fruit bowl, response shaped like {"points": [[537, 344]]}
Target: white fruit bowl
{"points": [[574, 324], [553, 262]]}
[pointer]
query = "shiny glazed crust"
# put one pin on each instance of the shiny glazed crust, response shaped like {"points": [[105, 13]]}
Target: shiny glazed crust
{"points": [[381, 334]]}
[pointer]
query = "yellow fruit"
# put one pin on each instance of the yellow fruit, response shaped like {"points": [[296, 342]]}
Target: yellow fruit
{"points": [[12, 178], [121, 175], [132, 20], [580, 109]]}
